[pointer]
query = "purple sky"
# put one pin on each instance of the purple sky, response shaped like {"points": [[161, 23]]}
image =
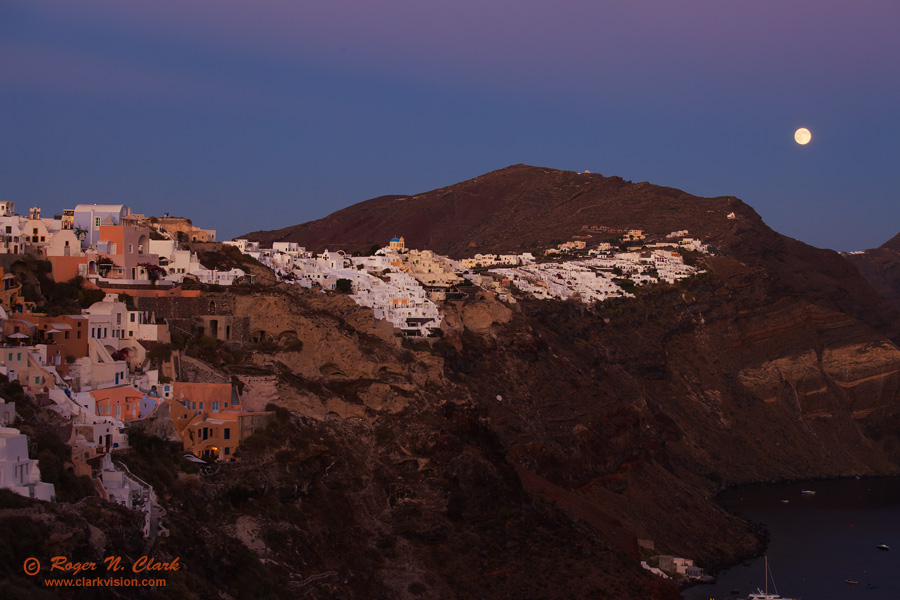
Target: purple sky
{"points": [[257, 115]]}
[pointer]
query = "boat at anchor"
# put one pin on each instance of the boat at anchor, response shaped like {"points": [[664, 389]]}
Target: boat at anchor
{"points": [[765, 595]]}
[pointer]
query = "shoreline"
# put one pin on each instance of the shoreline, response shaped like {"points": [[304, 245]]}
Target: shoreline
{"points": [[760, 529]]}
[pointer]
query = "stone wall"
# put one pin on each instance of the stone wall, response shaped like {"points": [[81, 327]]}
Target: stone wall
{"points": [[212, 314]]}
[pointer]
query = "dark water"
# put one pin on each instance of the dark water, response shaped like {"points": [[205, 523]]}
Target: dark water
{"points": [[817, 542]]}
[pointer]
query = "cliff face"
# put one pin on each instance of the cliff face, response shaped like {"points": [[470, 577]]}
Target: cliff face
{"points": [[540, 437], [779, 362], [526, 451], [881, 268]]}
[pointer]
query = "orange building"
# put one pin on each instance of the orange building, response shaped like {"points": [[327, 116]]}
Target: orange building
{"points": [[122, 402], [129, 247], [206, 397], [66, 267], [209, 419], [70, 332]]}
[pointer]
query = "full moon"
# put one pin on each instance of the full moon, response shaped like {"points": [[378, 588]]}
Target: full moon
{"points": [[802, 136]]}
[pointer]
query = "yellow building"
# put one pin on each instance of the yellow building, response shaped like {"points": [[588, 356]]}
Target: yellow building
{"points": [[209, 419], [397, 244]]}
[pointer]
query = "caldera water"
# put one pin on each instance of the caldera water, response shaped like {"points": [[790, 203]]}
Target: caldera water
{"points": [[819, 541]]}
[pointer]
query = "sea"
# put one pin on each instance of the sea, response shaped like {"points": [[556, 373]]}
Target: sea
{"points": [[818, 542]]}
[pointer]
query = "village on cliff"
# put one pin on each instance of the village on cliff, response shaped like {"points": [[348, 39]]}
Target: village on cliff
{"points": [[108, 364]]}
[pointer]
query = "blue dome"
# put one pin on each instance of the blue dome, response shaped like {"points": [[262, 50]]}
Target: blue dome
{"points": [[395, 239]]}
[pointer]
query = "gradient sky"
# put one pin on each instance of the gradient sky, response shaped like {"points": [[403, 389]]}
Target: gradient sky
{"points": [[246, 115]]}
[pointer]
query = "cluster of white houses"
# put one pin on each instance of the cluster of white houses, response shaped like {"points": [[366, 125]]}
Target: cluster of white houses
{"points": [[400, 286], [404, 286]]}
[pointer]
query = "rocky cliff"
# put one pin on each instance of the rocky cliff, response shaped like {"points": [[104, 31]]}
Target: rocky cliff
{"points": [[881, 268], [527, 450]]}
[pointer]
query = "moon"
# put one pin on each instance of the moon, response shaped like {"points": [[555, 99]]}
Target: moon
{"points": [[802, 136]]}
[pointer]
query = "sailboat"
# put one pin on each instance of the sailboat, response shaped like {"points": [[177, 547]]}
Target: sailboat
{"points": [[765, 595]]}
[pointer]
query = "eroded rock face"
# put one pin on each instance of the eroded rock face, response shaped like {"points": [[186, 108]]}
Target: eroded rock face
{"points": [[626, 417], [481, 315]]}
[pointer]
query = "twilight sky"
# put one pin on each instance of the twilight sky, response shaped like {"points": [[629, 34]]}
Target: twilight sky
{"points": [[246, 115]]}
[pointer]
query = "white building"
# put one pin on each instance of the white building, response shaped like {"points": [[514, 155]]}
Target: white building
{"points": [[18, 472], [288, 248], [88, 218], [98, 370], [107, 321]]}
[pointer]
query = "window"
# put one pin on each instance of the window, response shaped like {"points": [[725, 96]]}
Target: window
{"points": [[132, 317], [215, 406], [228, 433], [79, 334], [67, 335], [227, 450], [119, 319], [18, 356], [96, 221]]}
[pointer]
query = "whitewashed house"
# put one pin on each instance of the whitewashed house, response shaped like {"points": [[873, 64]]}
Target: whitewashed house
{"points": [[18, 472]]}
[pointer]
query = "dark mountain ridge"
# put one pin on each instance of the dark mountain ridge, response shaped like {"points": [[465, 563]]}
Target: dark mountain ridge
{"points": [[523, 208]]}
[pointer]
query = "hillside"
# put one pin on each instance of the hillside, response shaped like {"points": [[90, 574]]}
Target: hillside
{"points": [[516, 208], [527, 449], [523, 207], [881, 268]]}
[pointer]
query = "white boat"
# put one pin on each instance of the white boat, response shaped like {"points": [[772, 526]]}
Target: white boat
{"points": [[809, 492], [765, 595]]}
